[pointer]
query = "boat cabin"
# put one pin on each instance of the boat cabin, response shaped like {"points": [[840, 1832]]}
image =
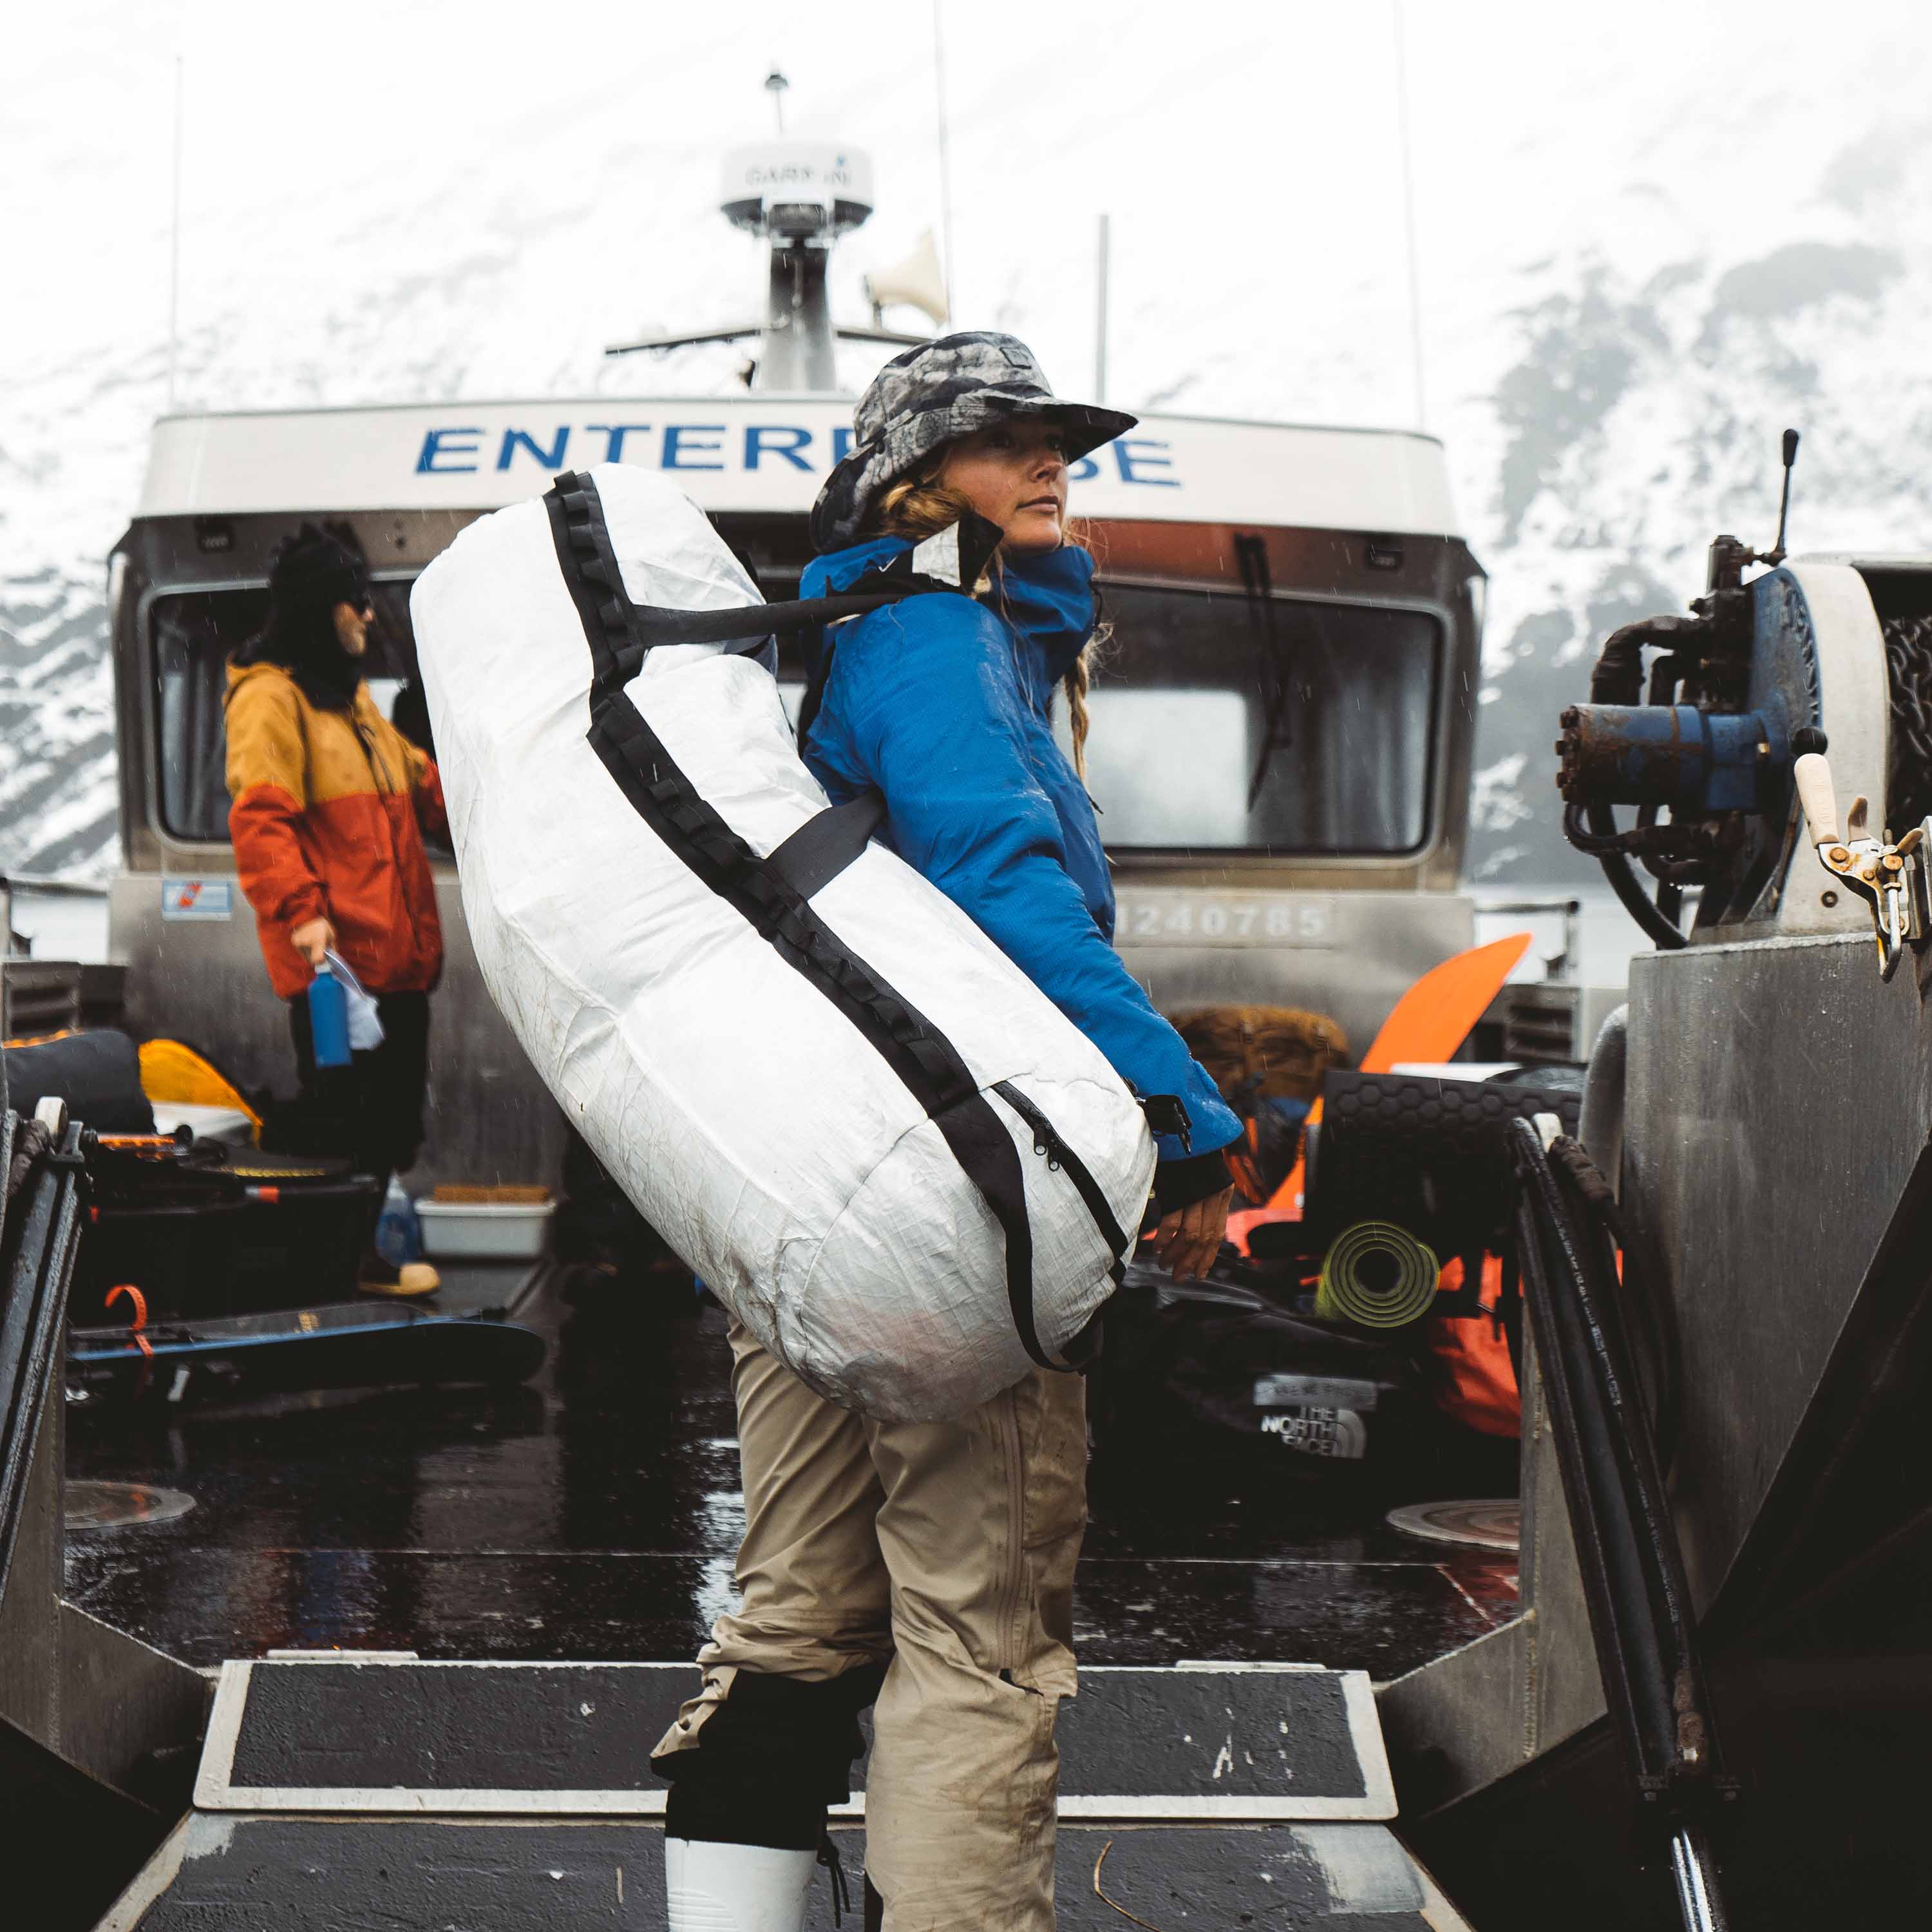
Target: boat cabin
{"points": [[1281, 729]]}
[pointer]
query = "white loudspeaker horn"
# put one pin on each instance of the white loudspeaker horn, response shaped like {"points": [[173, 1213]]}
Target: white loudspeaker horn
{"points": [[916, 281]]}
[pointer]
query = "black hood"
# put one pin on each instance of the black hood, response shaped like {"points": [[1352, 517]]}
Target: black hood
{"points": [[314, 571]]}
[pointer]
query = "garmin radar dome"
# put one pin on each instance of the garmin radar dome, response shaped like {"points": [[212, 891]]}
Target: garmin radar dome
{"points": [[903, 1169], [803, 191]]}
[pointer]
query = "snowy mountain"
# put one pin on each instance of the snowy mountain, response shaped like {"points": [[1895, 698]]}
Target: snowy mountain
{"points": [[1640, 419], [1638, 263]]}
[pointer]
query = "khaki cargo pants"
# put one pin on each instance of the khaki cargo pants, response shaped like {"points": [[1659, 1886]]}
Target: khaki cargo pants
{"points": [[949, 1549]]}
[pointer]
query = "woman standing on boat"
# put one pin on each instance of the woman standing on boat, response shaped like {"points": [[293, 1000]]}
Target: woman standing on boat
{"points": [[929, 1566], [330, 804]]}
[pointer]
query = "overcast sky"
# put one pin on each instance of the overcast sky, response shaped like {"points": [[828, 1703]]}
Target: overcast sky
{"points": [[557, 164]]}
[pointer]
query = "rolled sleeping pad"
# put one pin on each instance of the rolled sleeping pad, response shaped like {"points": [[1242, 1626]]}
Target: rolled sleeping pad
{"points": [[1432, 1155], [902, 1168], [1377, 1275]]}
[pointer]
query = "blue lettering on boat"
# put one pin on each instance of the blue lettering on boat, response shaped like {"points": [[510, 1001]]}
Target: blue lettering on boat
{"points": [[435, 447], [676, 445], [1127, 460], [450, 452], [551, 457], [614, 434], [759, 441]]}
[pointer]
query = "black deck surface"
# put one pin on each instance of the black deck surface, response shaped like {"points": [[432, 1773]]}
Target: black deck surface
{"points": [[594, 1513], [242, 1874], [319, 1728]]}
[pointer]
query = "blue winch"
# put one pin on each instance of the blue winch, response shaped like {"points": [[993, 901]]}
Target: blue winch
{"points": [[1702, 746], [1674, 754]]}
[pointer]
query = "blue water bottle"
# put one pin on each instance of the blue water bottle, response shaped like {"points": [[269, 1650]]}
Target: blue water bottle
{"points": [[329, 1019], [398, 1231]]}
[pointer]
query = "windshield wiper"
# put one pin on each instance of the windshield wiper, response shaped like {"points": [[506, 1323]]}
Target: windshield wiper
{"points": [[1277, 663]]}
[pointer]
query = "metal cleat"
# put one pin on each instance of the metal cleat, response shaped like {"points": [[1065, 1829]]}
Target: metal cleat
{"points": [[1892, 878]]}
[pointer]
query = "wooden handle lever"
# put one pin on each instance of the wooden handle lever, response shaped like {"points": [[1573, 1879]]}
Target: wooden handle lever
{"points": [[1813, 776]]}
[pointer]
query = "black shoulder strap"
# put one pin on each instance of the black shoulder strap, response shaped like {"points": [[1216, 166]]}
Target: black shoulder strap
{"points": [[623, 634], [825, 844], [815, 685]]}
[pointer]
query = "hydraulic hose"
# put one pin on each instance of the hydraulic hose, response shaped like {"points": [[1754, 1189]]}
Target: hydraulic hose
{"points": [[1602, 822], [1617, 677], [1627, 1550], [1590, 1197]]}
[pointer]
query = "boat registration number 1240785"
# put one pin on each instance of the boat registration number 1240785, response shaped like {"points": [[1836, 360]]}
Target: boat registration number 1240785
{"points": [[1212, 919]]}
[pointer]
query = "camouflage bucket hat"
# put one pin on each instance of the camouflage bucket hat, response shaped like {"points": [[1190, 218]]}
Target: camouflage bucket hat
{"points": [[927, 396]]}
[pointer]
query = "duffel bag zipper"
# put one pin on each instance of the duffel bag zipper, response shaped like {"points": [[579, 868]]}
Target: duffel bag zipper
{"points": [[1047, 1141]]}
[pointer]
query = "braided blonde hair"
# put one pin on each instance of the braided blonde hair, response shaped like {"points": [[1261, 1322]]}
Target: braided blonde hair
{"points": [[920, 506]]}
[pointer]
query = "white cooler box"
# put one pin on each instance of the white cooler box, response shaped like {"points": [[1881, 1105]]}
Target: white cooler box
{"points": [[496, 1231]]}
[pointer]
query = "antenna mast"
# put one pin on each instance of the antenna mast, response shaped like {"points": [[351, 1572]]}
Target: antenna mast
{"points": [[1408, 213], [1100, 329], [945, 157], [799, 197], [174, 243]]}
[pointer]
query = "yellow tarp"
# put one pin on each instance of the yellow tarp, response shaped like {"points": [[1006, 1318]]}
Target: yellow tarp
{"points": [[171, 1072]]}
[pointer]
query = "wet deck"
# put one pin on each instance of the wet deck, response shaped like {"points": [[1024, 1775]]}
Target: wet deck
{"points": [[594, 1514]]}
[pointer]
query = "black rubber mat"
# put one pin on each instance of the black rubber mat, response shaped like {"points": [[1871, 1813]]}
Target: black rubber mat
{"points": [[239, 1874], [302, 1735]]}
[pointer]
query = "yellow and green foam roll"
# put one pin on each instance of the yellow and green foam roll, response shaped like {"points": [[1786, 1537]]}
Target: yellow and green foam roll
{"points": [[1377, 1274]]}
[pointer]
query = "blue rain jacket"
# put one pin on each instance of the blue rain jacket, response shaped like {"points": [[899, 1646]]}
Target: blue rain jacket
{"points": [[944, 708]]}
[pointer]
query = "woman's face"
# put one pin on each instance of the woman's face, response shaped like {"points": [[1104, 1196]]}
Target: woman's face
{"points": [[1014, 474], [351, 625]]}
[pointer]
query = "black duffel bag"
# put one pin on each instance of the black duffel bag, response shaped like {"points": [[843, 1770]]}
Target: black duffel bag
{"points": [[1192, 1367], [97, 1074]]}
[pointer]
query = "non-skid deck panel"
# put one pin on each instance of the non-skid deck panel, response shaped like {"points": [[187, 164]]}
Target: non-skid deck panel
{"points": [[240, 1873], [402, 1736], [533, 1727], [1151, 1739]]}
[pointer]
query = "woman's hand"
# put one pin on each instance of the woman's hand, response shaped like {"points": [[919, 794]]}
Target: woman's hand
{"points": [[1187, 1240], [313, 938]]}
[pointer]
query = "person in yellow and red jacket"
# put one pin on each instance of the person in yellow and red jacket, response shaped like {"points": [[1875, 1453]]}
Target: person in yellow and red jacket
{"points": [[330, 803]]}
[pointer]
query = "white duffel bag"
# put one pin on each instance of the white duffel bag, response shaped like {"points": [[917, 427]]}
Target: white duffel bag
{"points": [[905, 1170]]}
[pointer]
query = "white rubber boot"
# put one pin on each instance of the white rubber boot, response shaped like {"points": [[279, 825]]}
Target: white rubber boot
{"points": [[713, 1887]]}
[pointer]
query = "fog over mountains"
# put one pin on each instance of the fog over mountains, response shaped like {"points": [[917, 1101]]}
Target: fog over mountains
{"points": [[1639, 263]]}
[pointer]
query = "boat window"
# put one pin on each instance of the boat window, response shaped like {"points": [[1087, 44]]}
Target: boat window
{"points": [[194, 634], [1222, 722]]}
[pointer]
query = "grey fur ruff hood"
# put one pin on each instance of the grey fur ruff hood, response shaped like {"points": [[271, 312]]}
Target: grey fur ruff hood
{"points": [[928, 395]]}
